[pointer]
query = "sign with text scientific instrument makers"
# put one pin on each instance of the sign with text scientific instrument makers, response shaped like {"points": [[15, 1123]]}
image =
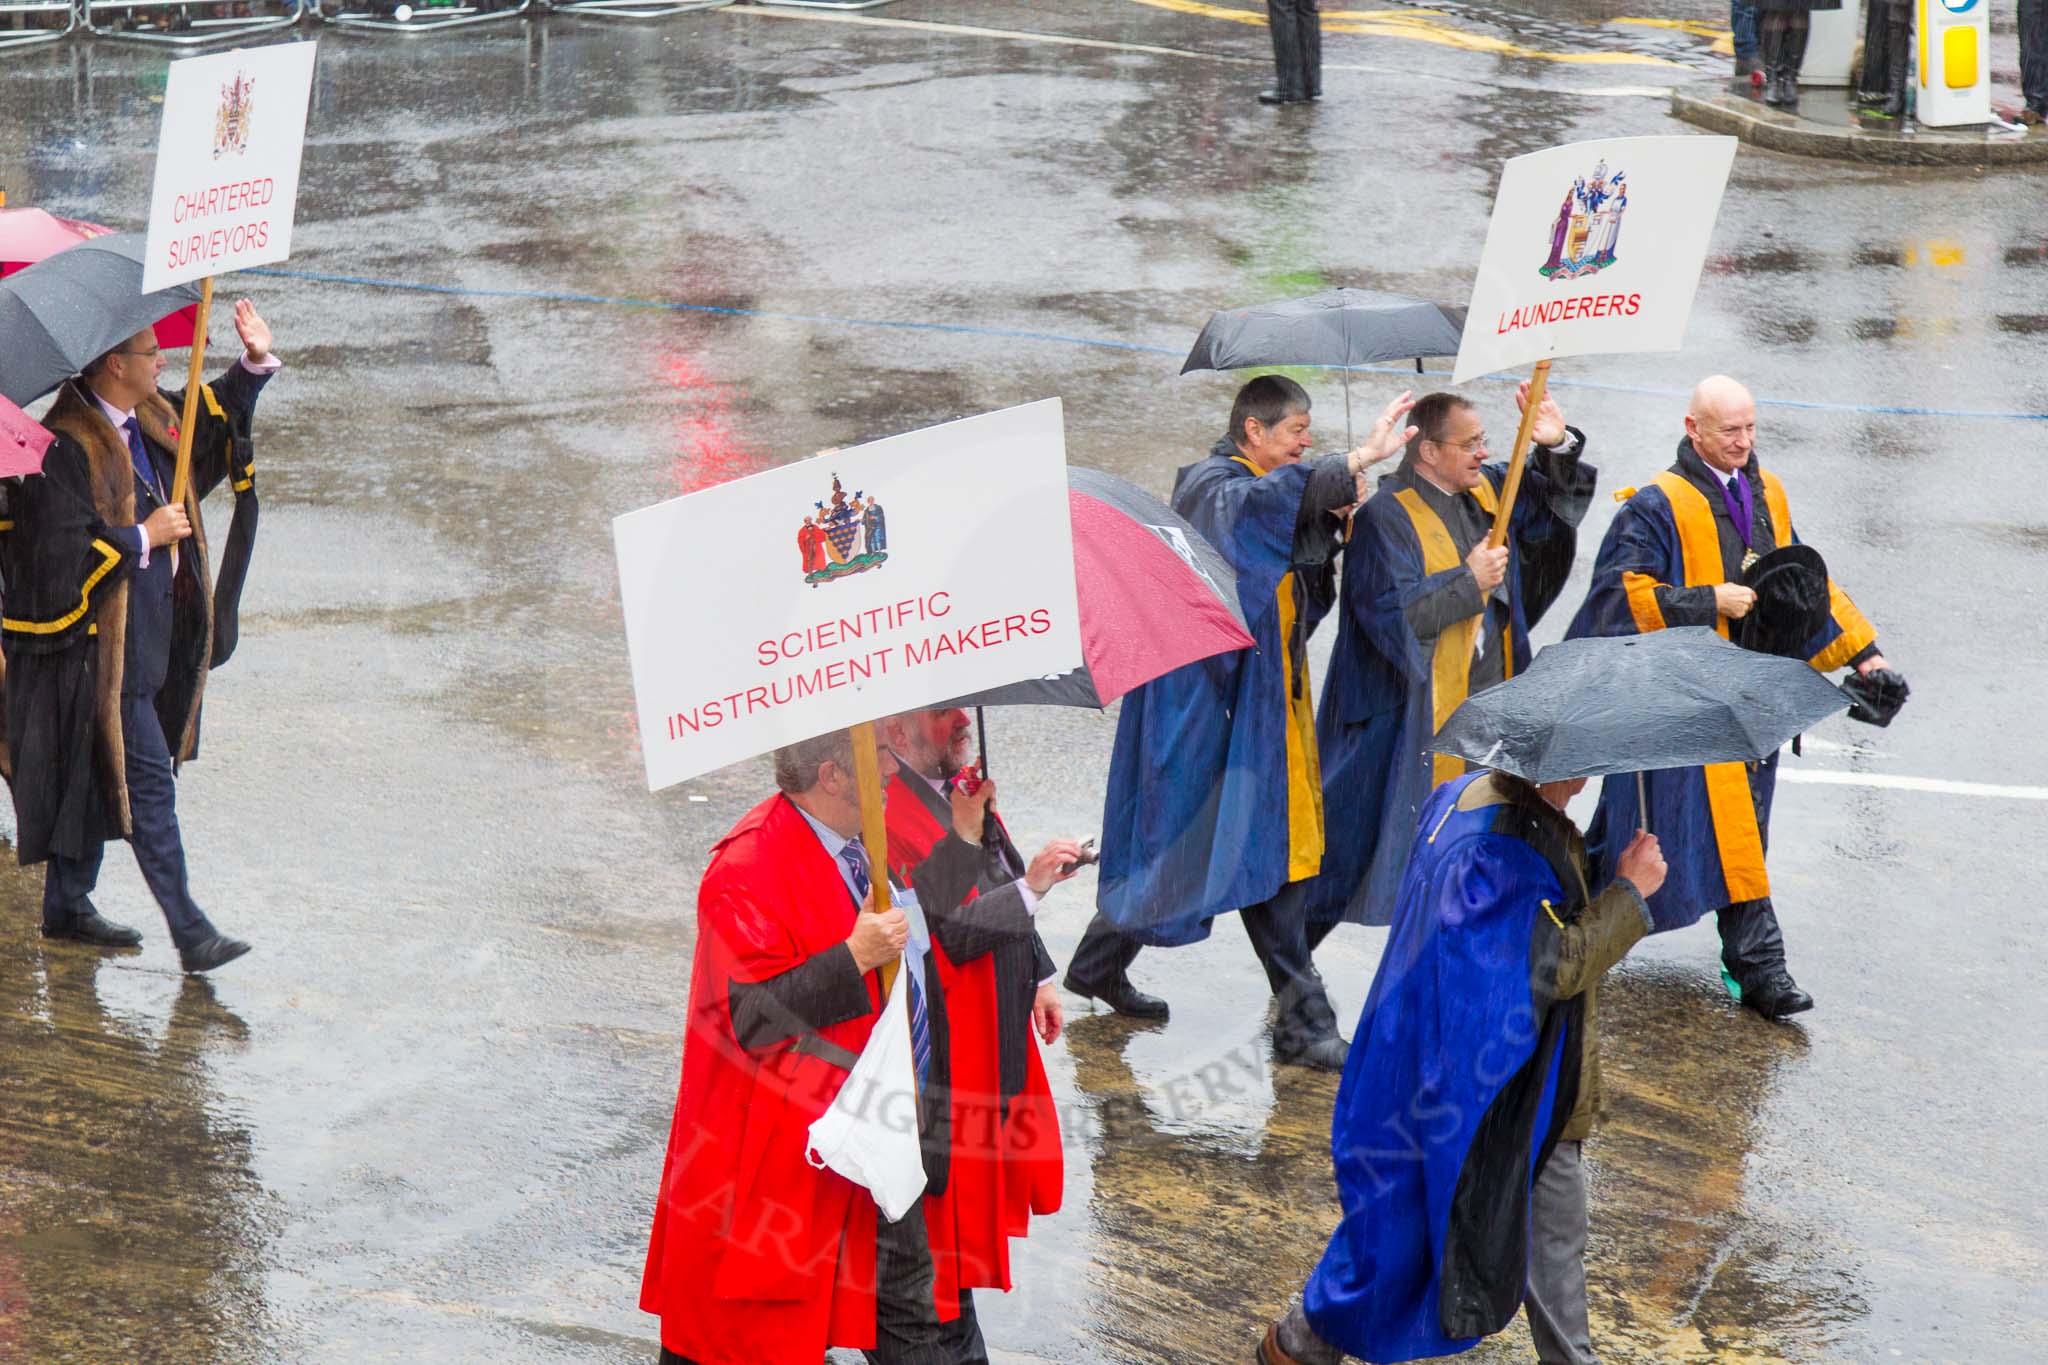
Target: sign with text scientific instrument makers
{"points": [[848, 587], [1595, 247]]}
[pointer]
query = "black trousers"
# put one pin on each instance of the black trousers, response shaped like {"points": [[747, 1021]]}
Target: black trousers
{"points": [[2034, 54], [1283, 937], [907, 1327], [1284, 940], [1297, 46], [159, 849], [1104, 954]]}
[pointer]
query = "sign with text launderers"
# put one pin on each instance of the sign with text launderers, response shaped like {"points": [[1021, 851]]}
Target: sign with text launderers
{"points": [[227, 163], [848, 587], [1594, 247]]}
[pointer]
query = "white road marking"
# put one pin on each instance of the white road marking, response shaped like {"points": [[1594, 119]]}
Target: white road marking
{"points": [[1938, 786]]}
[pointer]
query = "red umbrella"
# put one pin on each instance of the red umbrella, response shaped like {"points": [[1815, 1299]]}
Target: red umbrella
{"points": [[1154, 596], [22, 442], [28, 235]]}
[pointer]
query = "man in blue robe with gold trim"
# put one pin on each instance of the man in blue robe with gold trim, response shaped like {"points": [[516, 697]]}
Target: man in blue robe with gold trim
{"points": [[1675, 555], [1431, 614], [1215, 802]]}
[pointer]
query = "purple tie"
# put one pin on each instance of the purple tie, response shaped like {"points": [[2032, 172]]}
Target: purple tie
{"points": [[1741, 510]]}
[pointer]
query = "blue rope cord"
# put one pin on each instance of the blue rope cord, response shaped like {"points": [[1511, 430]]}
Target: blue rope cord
{"points": [[1099, 343]]}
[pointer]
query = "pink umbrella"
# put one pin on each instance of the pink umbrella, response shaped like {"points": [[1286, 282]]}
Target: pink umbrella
{"points": [[1154, 596], [22, 442], [28, 235]]}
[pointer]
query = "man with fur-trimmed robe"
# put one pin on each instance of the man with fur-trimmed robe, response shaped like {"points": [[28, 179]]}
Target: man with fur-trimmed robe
{"points": [[111, 621]]}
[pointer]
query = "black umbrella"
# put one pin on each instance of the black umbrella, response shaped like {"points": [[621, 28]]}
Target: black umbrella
{"points": [[1631, 703], [72, 307], [1338, 327]]}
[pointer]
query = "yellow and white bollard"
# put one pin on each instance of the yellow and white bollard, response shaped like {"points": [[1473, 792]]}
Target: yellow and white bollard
{"points": [[1953, 44]]}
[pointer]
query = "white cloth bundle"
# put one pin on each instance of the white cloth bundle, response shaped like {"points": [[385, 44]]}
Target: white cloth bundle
{"points": [[869, 1135]]}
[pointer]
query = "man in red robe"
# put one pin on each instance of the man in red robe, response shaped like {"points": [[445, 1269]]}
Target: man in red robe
{"points": [[980, 899], [810, 542], [758, 1258]]}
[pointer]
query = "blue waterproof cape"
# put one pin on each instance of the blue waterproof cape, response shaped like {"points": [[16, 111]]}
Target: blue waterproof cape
{"points": [[1463, 1073], [1377, 716], [1214, 799], [1670, 542]]}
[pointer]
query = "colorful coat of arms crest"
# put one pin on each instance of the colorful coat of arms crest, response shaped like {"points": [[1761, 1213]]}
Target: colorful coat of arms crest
{"points": [[1588, 225], [849, 536], [231, 123]]}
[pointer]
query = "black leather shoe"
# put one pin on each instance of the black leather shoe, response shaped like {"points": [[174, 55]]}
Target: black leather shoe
{"points": [[1776, 996], [92, 927], [1277, 97], [1323, 1054], [1122, 997], [209, 953]]}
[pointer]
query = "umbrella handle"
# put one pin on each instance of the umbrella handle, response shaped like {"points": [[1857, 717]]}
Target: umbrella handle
{"points": [[1642, 804]]}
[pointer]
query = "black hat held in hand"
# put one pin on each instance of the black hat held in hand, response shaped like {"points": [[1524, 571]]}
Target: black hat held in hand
{"points": [[1791, 587]]}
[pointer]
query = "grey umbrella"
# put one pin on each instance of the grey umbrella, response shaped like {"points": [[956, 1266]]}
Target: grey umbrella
{"points": [[1338, 327], [1635, 703], [67, 309]]}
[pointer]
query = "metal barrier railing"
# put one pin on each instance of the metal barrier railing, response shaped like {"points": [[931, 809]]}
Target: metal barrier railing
{"points": [[631, 9], [429, 16], [825, 4], [187, 23], [35, 21], [196, 23]]}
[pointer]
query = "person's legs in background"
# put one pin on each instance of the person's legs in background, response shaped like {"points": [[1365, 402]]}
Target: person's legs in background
{"points": [[1288, 19], [1742, 18], [2034, 60]]}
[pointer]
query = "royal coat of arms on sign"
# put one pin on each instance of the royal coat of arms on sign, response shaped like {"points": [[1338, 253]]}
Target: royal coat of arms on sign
{"points": [[231, 124], [847, 536], [1588, 225]]}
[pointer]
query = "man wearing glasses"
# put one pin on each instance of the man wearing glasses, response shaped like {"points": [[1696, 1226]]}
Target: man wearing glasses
{"points": [[109, 624], [1430, 614]]}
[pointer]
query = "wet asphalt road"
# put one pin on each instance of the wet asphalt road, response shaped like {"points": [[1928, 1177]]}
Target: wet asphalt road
{"points": [[424, 1121]]}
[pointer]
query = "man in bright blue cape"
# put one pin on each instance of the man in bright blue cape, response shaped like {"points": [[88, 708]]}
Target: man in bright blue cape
{"points": [[1675, 555], [1214, 802], [1431, 613], [1473, 1081]]}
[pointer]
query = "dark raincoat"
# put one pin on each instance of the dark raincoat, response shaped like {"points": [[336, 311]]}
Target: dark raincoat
{"points": [[1214, 799]]}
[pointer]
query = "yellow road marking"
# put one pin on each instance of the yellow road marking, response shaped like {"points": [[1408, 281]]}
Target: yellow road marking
{"points": [[1721, 40], [1423, 26]]}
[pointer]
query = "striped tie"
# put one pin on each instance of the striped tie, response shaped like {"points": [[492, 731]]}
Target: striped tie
{"points": [[855, 855]]}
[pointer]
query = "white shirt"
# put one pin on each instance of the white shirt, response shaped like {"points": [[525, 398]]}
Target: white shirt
{"points": [[920, 941]]}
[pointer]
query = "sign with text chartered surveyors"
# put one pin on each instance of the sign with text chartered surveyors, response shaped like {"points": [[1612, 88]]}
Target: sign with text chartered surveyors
{"points": [[227, 163], [1594, 247], [848, 587]]}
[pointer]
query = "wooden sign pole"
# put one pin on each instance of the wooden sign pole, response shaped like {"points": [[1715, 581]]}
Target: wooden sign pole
{"points": [[1539, 382], [194, 380], [874, 826]]}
